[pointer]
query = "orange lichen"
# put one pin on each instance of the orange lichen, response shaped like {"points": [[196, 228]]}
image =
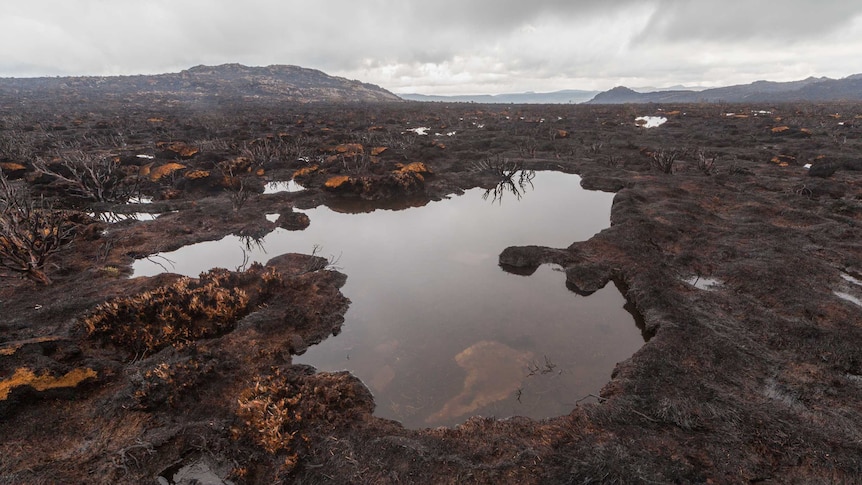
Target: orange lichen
{"points": [[155, 120], [780, 129], [166, 169], [562, 134], [378, 150], [26, 377]]}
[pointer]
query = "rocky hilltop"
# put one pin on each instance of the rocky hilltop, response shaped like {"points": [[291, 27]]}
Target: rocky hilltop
{"points": [[811, 89], [278, 83]]}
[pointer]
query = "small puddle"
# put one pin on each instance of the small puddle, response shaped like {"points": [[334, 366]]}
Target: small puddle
{"points": [[436, 329], [650, 121], [282, 186], [703, 283]]}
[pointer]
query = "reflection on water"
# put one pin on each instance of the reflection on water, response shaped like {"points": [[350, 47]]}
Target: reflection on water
{"points": [[115, 217], [282, 186], [514, 181], [436, 329]]}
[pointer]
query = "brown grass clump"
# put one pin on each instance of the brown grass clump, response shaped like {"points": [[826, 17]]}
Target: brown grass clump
{"points": [[187, 310], [285, 410]]}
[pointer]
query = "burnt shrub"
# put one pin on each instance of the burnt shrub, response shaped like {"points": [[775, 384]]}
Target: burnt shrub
{"points": [[30, 232], [186, 310]]}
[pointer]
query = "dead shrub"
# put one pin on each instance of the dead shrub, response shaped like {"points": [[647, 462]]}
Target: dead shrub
{"points": [[30, 232], [90, 176], [706, 161], [664, 160]]}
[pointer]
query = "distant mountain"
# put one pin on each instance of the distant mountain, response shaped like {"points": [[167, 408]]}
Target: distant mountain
{"points": [[227, 81], [568, 96], [811, 89]]}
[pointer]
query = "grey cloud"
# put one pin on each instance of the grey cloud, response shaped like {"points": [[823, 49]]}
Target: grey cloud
{"points": [[398, 43], [743, 20]]}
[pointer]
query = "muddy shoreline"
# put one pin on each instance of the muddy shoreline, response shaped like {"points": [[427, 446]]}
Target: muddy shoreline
{"points": [[756, 377]]}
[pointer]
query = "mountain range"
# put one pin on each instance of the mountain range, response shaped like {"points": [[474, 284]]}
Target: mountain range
{"points": [[277, 83], [810, 89], [283, 83], [568, 96]]}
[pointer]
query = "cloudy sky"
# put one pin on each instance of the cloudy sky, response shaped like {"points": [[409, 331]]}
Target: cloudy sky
{"points": [[444, 46]]}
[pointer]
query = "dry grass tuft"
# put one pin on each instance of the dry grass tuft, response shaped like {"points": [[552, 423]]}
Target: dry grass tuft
{"points": [[187, 310]]}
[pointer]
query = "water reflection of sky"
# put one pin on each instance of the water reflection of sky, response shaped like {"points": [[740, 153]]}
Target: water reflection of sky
{"points": [[425, 287]]}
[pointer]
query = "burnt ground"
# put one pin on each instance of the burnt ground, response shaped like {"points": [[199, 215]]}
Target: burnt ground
{"points": [[756, 378]]}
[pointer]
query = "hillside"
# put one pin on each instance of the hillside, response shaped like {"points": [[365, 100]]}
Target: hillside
{"points": [[279, 83], [810, 89], [567, 96]]}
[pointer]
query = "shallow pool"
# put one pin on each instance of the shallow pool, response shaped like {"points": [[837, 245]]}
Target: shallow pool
{"points": [[436, 329]]}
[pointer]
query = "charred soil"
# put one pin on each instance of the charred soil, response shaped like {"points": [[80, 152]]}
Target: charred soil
{"points": [[744, 263]]}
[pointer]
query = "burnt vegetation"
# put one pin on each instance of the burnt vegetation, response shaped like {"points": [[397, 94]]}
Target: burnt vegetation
{"points": [[755, 379]]}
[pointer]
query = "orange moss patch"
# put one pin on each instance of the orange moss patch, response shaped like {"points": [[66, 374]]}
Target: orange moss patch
{"points": [[155, 120], [145, 170], [673, 113], [25, 377], [378, 150], [12, 167], [236, 166], [783, 160], [305, 171], [336, 181], [414, 167], [197, 174], [350, 149], [12, 347], [166, 169], [780, 129], [562, 134], [183, 150]]}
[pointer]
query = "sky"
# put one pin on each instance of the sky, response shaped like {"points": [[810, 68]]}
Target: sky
{"points": [[444, 46]]}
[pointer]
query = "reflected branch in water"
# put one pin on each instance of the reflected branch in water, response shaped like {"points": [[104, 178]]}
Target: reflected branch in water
{"points": [[253, 242], [512, 179]]}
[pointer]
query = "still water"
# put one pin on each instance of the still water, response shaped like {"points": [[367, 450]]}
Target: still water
{"points": [[436, 329]]}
